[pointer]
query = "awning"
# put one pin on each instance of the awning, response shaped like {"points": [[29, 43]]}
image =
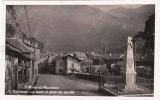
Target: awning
{"points": [[19, 45]]}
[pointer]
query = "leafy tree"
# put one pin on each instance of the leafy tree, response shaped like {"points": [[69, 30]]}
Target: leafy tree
{"points": [[147, 35]]}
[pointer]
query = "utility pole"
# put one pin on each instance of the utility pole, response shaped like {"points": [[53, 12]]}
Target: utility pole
{"points": [[134, 55], [29, 31], [101, 52], [100, 63], [90, 70]]}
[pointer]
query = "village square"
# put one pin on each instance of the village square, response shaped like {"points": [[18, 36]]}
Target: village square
{"points": [[101, 69]]}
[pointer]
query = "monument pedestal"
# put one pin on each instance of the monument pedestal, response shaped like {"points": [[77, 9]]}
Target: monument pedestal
{"points": [[130, 82]]}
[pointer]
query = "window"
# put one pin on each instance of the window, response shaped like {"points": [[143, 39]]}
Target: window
{"points": [[60, 70], [72, 67], [60, 64]]}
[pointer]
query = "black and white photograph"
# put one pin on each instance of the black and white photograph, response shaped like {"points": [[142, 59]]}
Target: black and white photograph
{"points": [[80, 50]]}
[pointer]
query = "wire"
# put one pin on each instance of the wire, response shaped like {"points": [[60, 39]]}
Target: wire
{"points": [[27, 20]]}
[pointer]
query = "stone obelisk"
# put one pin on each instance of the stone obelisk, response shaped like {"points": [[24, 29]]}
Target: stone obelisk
{"points": [[129, 72]]}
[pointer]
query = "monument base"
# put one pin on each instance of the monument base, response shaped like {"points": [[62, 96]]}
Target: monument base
{"points": [[130, 87], [130, 82]]}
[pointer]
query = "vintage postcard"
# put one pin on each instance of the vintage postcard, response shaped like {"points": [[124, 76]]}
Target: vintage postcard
{"points": [[80, 50]]}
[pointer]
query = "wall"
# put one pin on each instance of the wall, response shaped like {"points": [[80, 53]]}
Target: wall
{"points": [[11, 75], [43, 67], [60, 69], [69, 65], [37, 53]]}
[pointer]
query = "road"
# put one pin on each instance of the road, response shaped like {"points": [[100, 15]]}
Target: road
{"points": [[79, 86]]}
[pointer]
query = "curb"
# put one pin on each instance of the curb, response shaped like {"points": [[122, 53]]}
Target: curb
{"points": [[106, 91]]}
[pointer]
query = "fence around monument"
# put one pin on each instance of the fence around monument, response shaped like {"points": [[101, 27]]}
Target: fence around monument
{"points": [[146, 83], [116, 84]]}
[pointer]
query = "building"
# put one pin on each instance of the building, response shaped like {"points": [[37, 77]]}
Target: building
{"points": [[95, 55], [18, 63], [87, 60], [66, 65], [33, 46], [96, 69], [31, 43], [79, 55]]}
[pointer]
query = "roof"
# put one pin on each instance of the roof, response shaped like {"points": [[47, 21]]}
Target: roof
{"points": [[31, 45], [103, 68], [112, 56], [147, 58], [78, 54], [18, 44], [119, 63], [58, 57], [73, 57], [95, 54], [138, 57], [90, 55]]}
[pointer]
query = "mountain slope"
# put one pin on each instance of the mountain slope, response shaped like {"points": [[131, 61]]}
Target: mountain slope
{"points": [[75, 27]]}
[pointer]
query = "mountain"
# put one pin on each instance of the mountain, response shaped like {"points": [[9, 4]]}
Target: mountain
{"points": [[75, 27]]}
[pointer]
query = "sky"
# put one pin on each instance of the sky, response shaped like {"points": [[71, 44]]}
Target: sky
{"points": [[76, 27], [109, 7]]}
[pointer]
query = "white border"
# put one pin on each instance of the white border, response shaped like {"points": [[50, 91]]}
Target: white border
{"points": [[20, 97], [63, 2]]}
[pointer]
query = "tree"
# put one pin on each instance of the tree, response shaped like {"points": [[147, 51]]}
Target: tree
{"points": [[11, 28], [147, 35]]}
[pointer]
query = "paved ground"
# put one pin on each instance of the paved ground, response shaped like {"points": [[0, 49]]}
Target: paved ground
{"points": [[79, 86]]}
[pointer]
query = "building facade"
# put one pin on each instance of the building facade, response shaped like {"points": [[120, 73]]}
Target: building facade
{"points": [[66, 65]]}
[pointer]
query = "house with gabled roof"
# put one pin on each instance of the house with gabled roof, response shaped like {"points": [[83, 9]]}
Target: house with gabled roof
{"points": [[66, 64]]}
